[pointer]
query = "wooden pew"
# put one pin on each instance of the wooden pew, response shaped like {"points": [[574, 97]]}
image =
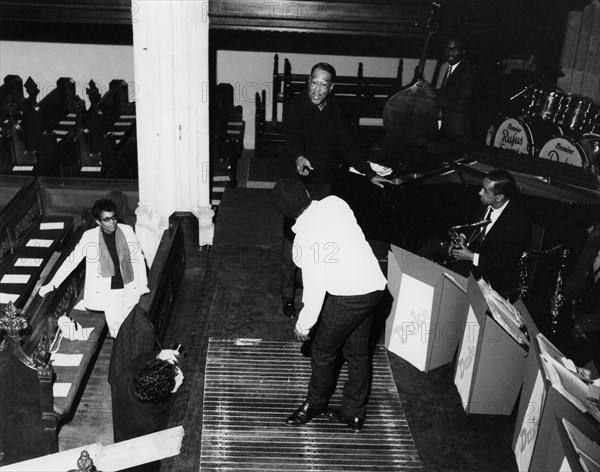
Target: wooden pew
{"points": [[100, 145], [121, 115], [58, 108], [27, 421], [165, 277], [38, 436], [227, 141], [11, 97], [58, 136], [10, 185], [60, 385], [29, 238], [44, 126]]}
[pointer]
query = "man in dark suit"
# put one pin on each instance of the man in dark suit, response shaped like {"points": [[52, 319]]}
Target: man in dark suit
{"points": [[456, 93], [493, 251], [317, 141]]}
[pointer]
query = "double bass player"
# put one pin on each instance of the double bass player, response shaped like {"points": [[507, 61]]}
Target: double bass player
{"points": [[455, 96]]}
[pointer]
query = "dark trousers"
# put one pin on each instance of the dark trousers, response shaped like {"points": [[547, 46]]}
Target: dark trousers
{"points": [[288, 268], [344, 329]]}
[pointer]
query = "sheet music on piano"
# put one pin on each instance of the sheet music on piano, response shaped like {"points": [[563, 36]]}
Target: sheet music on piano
{"points": [[588, 450], [565, 381]]}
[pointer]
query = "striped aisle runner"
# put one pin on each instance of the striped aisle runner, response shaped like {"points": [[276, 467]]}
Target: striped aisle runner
{"points": [[250, 388]]}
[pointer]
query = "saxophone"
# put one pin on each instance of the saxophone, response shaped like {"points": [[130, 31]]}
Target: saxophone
{"points": [[558, 298], [529, 256], [454, 233]]}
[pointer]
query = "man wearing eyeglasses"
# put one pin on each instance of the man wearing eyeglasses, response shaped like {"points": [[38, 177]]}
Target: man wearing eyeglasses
{"points": [[317, 141], [115, 269], [456, 93]]}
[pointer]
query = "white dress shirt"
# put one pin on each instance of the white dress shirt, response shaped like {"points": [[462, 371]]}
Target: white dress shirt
{"points": [[334, 256]]}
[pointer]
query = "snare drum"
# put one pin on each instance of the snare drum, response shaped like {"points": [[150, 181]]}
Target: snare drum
{"points": [[544, 104], [573, 111], [565, 150], [524, 136]]}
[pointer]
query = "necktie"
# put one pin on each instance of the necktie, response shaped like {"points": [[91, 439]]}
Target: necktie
{"points": [[479, 233], [448, 72], [488, 216]]}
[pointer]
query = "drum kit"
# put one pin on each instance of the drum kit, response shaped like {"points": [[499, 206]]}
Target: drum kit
{"points": [[554, 125]]}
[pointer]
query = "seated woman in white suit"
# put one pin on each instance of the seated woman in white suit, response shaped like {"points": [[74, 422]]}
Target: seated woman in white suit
{"points": [[115, 269]]}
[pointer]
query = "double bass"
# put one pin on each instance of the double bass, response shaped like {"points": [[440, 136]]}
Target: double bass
{"points": [[411, 113]]}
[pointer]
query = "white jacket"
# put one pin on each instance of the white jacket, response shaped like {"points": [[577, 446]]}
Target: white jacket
{"points": [[97, 287]]}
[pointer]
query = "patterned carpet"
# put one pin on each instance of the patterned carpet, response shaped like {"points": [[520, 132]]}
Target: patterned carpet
{"points": [[250, 386]]}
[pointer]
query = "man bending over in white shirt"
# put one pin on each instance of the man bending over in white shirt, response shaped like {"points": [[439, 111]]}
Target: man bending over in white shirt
{"points": [[342, 282]]}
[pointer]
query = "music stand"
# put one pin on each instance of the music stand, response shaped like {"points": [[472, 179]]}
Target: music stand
{"points": [[428, 312]]}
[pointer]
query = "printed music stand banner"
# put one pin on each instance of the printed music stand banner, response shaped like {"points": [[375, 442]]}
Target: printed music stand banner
{"points": [[536, 430], [429, 310], [491, 363]]}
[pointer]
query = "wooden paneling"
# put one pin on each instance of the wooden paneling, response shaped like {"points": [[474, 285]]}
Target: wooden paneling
{"points": [[87, 11]]}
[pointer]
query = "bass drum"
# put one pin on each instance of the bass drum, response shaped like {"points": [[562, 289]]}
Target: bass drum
{"points": [[565, 150], [523, 136]]}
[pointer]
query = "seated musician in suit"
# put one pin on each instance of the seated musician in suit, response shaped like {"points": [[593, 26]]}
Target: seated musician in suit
{"points": [[493, 251], [142, 397], [456, 93], [115, 269]]}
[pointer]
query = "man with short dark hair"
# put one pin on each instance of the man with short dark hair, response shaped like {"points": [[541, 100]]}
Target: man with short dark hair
{"points": [[317, 141], [494, 250], [454, 99], [342, 284], [115, 269]]}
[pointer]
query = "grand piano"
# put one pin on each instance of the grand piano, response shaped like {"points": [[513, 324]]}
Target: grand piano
{"points": [[563, 201]]}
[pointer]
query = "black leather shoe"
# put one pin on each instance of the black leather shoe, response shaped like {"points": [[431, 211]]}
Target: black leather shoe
{"points": [[289, 309], [303, 415], [354, 422]]}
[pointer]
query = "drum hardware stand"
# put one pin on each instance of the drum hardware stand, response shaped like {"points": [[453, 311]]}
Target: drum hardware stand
{"points": [[525, 90]]}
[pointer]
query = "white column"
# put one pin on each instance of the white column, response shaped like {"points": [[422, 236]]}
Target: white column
{"points": [[170, 42]]}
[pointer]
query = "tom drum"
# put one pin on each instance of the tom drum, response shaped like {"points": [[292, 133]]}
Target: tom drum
{"points": [[592, 121], [523, 136], [544, 104], [573, 111]]}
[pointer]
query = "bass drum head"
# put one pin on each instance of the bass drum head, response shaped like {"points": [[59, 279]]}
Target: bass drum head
{"points": [[514, 135], [566, 151], [523, 135]]}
